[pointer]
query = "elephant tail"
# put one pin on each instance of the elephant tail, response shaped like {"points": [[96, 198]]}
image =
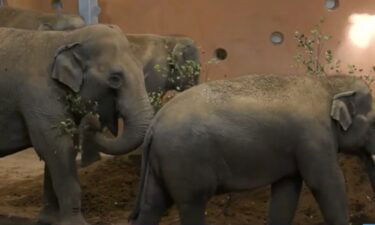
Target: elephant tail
{"points": [[145, 171]]}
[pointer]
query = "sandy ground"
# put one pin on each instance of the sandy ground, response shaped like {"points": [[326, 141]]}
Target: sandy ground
{"points": [[21, 166], [24, 166], [110, 189]]}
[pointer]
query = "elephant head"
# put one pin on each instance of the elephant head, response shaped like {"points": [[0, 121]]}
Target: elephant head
{"points": [[184, 68], [170, 63], [100, 67], [355, 120]]}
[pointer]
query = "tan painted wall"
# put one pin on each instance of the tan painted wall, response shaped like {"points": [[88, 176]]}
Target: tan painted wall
{"points": [[242, 27]]}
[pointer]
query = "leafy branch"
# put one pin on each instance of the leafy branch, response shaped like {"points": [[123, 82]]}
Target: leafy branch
{"points": [[76, 108], [310, 49], [183, 76]]}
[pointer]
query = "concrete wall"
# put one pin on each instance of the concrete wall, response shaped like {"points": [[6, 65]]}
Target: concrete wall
{"points": [[241, 27]]}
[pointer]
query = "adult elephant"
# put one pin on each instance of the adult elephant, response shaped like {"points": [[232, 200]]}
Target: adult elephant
{"points": [[169, 63], [93, 63], [253, 131], [34, 20]]}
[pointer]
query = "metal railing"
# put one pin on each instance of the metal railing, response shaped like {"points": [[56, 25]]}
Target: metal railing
{"points": [[3, 3], [89, 10]]}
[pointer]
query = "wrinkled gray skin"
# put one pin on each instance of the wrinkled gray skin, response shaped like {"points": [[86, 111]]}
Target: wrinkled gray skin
{"points": [[253, 131], [34, 20], [152, 50], [96, 63]]}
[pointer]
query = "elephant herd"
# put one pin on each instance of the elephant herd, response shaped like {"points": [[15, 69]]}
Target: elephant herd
{"points": [[213, 138]]}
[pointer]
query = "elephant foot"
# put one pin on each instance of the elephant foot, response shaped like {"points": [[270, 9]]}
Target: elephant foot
{"points": [[48, 216]]}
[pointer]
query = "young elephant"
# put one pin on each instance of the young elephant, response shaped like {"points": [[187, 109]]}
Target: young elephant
{"points": [[34, 20], [253, 131], [38, 70]]}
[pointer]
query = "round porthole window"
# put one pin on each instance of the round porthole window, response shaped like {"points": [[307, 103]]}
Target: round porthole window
{"points": [[221, 53], [331, 4], [277, 38]]}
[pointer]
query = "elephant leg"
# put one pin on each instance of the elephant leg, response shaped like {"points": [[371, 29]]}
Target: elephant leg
{"points": [[191, 204], [59, 155], [284, 200], [155, 202], [191, 184], [50, 211], [193, 212], [322, 174], [68, 191], [331, 197]]}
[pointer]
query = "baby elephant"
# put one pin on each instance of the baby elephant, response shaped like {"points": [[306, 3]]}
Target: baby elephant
{"points": [[253, 131]]}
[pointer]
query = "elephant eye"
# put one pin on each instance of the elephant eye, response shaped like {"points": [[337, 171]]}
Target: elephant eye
{"points": [[115, 80]]}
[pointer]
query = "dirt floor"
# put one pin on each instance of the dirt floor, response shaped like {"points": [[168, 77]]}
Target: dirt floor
{"points": [[110, 187]]}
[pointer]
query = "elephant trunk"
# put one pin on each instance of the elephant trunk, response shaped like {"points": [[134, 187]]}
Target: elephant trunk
{"points": [[368, 160], [136, 114]]}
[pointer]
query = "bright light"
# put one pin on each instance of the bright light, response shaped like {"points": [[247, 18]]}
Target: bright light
{"points": [[362, 29]]}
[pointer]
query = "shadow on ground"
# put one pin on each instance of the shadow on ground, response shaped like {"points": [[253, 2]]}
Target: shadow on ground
{"points": [[6, 220]]}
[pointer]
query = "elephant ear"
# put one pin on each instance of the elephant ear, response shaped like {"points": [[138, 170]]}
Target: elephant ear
{"points": [[341, 108], [67, 67]]}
